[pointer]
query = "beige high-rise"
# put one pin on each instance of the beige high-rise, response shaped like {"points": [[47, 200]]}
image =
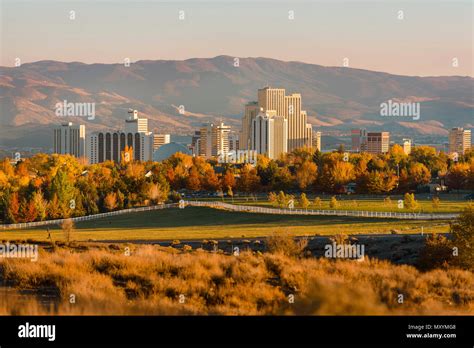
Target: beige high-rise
{"points": [[378, 142], [459, 140], [288, 106], [214, 140], [272, 99]]}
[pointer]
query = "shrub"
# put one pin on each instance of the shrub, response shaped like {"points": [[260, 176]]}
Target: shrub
{"points": [[272, 198], [410, 202], [68, 228], [436, 253], [304, 202], [435, 202], [283, 243], [282, 199], [458, 252], [317, 202], [333, 203]]}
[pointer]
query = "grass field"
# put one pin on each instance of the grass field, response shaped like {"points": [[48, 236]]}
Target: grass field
{"points": [[208, 223], [377, 204]]}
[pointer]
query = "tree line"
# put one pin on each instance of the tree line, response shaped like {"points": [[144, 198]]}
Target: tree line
{"points": [[59, 186]]}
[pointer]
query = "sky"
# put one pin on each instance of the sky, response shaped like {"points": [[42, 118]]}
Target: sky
{"points": [[428, 38]]}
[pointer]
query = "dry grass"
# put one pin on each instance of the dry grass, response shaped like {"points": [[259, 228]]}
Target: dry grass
{"points": [[151, 280]]}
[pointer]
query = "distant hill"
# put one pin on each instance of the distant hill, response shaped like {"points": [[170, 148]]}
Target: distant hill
{"points": [[335, 98]]}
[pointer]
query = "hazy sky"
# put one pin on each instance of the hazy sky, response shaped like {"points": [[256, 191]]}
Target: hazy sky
{"points": [[368, 33]]}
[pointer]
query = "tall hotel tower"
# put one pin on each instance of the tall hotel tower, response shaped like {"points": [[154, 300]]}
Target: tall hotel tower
{"points": [[269, 134], [109, 145], [274, 102], [70, 139]]}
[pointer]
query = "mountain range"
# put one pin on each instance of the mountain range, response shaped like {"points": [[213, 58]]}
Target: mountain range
{"points": [[213, 89]]}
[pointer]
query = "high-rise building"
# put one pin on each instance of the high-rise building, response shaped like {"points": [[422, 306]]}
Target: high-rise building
{"points": [[134, 124], [359, 140], [111, 145], [317, 141], [104, 146], [234, 141], [251, 111], [378, 142], [159, 140], [296, 121], [269, 134], [70, 139], [214, 140], [272, 99], [459, 140], [288, 106], [309, 135], [407, 146], [195, 143]]}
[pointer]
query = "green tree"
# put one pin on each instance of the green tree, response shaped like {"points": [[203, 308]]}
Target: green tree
{"points": [[63, 188]]}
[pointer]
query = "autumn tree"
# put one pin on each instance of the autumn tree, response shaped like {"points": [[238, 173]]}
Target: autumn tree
{"points": [[41, 205], [228, 179], [409, 202], [303, 201], [110, 201], [380, 182], [458, 176], [249, 179], [28, 211], [13, 208], [211, 181], [306, 174], [193, 181]]}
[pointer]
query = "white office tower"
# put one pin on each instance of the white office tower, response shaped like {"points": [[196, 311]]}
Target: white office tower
{"points": [[269, 134], [407, 146], [134, 124], [70, 139], [317, 141]]}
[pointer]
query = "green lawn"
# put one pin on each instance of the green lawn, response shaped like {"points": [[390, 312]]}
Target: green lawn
{"points": [[208, 223], [354, 203]]}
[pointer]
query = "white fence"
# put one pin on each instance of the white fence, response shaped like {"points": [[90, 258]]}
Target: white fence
{"points": [[86, 218], [244, 208], [353, 213]]}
